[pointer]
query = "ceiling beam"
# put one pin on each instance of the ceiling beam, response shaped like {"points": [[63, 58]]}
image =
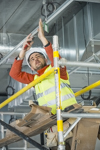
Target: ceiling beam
{"points": [[91, 1]]}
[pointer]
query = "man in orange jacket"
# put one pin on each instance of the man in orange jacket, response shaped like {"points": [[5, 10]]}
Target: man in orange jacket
{"points": [[36, 59]]}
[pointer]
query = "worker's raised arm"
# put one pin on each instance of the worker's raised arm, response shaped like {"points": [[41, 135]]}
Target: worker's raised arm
{"points": [[16, 70], [47, 45], [49, 50], [41, 35], [26, 46]]}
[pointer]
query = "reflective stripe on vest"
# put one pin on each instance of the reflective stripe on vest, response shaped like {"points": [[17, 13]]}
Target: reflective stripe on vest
{"points": [[63, 98], [52, 89]]}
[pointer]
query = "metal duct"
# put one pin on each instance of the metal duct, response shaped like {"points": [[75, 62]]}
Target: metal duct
{"points": [[54, 16], [61, 8], [81, 45]]}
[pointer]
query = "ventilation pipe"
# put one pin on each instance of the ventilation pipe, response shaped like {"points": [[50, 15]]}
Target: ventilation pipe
{"points": [[50, 18]]}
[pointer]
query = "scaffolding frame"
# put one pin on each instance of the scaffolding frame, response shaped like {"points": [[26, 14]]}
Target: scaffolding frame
{"points": [[23, 136], [17, 132], [56, 71], [2, 114], [60, 115]]}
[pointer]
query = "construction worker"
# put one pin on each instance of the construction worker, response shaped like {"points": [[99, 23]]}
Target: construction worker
{"points": [[36, 59]]}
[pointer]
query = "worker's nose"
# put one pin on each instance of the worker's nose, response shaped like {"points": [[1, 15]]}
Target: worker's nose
{"points": [[36, 58]]}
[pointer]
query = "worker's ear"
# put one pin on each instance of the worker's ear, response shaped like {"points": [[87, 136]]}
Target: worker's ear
{"points": [[32, 69]]}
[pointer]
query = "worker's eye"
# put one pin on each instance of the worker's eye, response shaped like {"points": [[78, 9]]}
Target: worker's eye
{"points": [[31, 59], [38, 56]]}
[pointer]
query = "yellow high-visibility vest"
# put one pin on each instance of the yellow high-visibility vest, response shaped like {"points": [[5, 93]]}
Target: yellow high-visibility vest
{"points": [[45, 91]]}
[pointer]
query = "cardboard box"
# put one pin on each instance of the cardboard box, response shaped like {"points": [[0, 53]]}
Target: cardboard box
{"points": [[86, 131], [35, 122]]}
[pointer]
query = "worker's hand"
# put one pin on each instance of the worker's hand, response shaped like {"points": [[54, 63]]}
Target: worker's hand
{"points": [[41, 35], [26, 46], [28, 43], [40, 30]]}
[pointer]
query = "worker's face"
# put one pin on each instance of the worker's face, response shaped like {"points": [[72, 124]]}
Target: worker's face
{"points": [[37, 61]]}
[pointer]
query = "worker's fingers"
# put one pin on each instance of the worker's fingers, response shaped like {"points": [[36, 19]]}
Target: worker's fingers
{"points": [[28, 36], [40, 21], [40, 24], [30, 45], [30, 39], [40, 30]]}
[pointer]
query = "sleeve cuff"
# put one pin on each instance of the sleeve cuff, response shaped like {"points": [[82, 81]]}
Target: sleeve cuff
{"points": [[19, 58], [47, 44]]}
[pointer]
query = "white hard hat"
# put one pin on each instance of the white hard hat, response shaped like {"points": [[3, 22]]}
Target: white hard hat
{"points": [[34, 50]]}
